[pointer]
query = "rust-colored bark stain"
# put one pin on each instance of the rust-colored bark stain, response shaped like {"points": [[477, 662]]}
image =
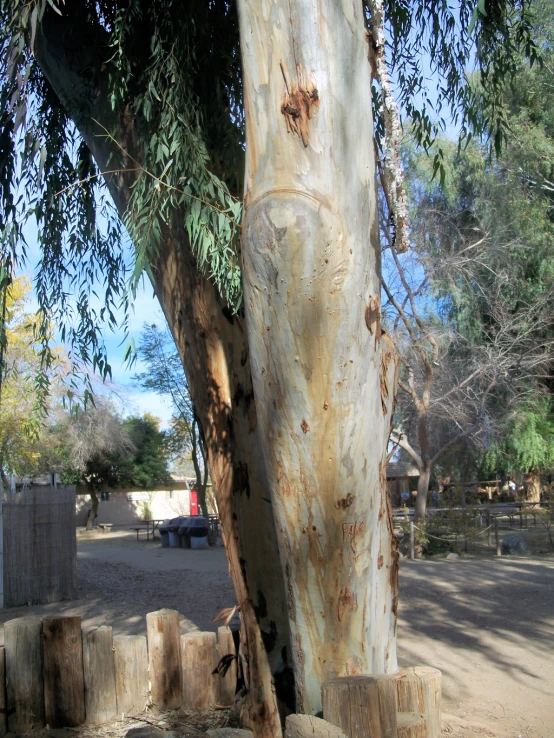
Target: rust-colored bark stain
{"points": [[380, 561], [373, 317], [299, 102], [325, 405], [347, 601], [393, 574], [345, 502], [304, 425], [386, 358]]}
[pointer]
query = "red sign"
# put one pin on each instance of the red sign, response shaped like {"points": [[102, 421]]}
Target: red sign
{"points": [[193, 502]]}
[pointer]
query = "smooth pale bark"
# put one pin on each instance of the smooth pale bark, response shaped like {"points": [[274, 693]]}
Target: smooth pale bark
{"points": [[214, 349], [323, 377]]}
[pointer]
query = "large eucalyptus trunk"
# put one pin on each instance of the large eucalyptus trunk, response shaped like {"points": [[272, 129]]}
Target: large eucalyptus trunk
{"points": [[214, 350], [323, 375]]}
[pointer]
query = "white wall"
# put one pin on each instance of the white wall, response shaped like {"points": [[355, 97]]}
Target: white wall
{"points": [[127, 507]]}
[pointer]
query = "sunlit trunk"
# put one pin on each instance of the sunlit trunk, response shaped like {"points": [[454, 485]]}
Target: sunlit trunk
{"points": [[323, 376], [532, 484]]}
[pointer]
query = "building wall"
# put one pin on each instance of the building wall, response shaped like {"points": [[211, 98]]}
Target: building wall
{"points": [[129, 507]]}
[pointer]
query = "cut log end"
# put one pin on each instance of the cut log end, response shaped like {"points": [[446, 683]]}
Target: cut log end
{"points": [[308, 726], [362, 706]]}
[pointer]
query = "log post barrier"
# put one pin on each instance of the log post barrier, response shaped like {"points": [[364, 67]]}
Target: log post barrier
{"points": [[52, 672], [401, 705]]}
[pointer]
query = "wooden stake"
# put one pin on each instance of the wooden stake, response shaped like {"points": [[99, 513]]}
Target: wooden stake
{"points": [[412, 541], [199, 659], [99, 670], [418, 690], [226, 649], [24, 666], [362, 706], [164, 659], [497, 538], [411, 725], [131, 674], [64, 688], [3, 705]]}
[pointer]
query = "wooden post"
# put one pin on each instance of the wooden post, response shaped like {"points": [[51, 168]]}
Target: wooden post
{"points": [[308, 726], [164, 658], [24, 678], [64, 688], [99, 671], [199, 659], [418, 690], [488, 526], [131, 674], [226, 651], [411, 725], [362, 706], [3, 706], [412, 540], [497, 538]]}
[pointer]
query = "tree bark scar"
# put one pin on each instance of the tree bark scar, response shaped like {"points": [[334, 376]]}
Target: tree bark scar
{"points": [[345, 502], [304, 425], [347, 599], [300, 100], [373, 317], [386, 358], [393, 575]]}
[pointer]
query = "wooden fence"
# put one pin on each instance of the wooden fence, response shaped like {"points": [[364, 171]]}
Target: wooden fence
{"points": [[53, 672], [40, 549]]}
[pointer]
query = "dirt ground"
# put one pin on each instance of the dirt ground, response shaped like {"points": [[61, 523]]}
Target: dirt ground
{"points": [[488, 624]]}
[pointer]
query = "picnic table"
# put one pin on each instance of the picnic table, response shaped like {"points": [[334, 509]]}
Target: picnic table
{"points": [[154, 523]]}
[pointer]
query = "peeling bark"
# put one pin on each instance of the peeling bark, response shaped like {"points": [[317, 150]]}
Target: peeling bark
{"points": [[311, 269]]}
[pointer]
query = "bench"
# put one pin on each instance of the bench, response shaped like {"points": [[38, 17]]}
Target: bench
{"points": [[105, 527]]}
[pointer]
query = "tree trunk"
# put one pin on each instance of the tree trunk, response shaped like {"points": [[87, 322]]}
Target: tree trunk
{"points": [[214, 351], [93, 512], [532, 483], [323, 378], [200, 487], [422, 492]]}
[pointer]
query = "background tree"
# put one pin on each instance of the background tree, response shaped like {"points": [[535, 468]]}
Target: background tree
{"points": [[503, 284], [21, 414], [156, 96], [461, 378], [95, 447], [526, 445], [164, 374]]}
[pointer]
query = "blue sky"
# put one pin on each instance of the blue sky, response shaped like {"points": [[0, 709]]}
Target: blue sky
{"points": [[146, 309]]}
